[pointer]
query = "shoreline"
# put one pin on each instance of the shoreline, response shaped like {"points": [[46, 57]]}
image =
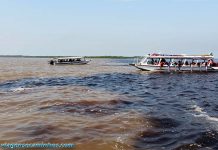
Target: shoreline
{"points": [[24, 56]]}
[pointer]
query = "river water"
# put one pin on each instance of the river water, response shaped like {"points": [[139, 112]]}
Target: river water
{"points": [[107, 105]]}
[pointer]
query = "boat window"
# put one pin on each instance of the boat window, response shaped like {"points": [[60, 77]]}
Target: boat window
{"points": [[176, 61], [144, 60], [156, 61], [166, 61], [150, 61], [153, 61], [200, 62], [187, 62]]}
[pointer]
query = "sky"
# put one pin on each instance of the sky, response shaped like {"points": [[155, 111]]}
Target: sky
{"points": [[108, 27]]}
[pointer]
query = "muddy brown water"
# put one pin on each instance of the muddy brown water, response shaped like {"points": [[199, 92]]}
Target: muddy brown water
{"points": [[106, 105]]}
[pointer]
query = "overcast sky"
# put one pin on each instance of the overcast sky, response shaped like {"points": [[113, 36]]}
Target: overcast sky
{"points": [[108, 27]]}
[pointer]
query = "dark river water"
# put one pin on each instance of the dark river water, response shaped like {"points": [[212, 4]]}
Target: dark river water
{"points": [[107, 105]]}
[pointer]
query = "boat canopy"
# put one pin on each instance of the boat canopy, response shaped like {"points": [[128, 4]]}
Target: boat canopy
{"points": [[65, 58], [204, 57]]}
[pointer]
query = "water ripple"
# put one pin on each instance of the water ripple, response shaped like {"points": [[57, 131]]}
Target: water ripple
{"points": [[110, 108]]}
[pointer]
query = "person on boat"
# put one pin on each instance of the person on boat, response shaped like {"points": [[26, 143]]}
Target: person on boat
{"points": [[162, 62], [152, 61], [52, 62], [198, 64], [179, 64], [210, 62], [167, 63], [155, 62], [205, 64], [174, 63], [193, 63], [186, 63]]}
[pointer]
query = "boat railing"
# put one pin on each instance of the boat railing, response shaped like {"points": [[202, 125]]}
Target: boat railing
{"points": [[137, 60]]}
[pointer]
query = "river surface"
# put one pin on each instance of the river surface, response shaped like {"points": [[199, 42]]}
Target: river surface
{"points": [[107, 105]]}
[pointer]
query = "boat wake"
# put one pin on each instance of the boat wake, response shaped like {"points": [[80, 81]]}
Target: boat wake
{"points": [[19, 90], [200, 113]]}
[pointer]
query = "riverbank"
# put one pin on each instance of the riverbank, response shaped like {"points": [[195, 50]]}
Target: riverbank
{"points": [[112, 57]]}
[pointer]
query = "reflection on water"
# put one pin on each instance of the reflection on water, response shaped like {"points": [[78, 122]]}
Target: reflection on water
{"points": [[106, 105]]}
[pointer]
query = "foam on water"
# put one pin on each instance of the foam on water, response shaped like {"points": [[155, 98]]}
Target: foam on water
{"points": [[20, 89], [200, 113], [205, 115]]}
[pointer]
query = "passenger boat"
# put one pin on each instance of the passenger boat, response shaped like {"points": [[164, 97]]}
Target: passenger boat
{"points": [[69, 61], [168, 63]]}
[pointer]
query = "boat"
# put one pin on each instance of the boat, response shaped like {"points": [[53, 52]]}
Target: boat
{"points": [[69, 61], [169, 63]]}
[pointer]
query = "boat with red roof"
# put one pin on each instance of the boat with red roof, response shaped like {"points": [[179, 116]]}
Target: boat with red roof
{"points": [[168, 63]]}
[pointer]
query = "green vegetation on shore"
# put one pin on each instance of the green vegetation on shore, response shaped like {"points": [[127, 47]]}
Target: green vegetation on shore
{"points": [[111, 57], [114, 57]]}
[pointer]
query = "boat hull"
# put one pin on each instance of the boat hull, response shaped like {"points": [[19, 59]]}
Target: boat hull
{"points": [[71, 63], [176, 68]]}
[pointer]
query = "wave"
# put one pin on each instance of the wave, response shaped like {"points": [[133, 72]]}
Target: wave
{"points": [[19, 89], [203, 114]]}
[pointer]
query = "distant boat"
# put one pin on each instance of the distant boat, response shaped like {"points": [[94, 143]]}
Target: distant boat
{"points": [[167, 63], [69, 61]]}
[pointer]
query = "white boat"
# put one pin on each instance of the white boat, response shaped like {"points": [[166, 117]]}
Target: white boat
{"points": [[69, 61], [168, 63]]}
